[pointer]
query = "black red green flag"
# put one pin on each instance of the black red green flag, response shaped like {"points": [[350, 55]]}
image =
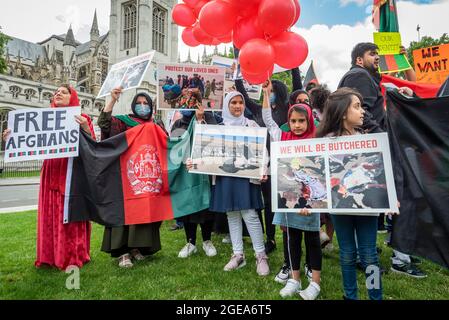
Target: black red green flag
{"points": [[419, 138], [136, 177]]}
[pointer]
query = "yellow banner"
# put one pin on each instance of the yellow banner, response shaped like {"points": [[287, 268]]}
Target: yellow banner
{"points": [[388, 42], [432, 64]]}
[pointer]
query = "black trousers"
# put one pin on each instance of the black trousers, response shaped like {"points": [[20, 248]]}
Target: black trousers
{"points": [[270, 228], [313, 248], [206, 231]]}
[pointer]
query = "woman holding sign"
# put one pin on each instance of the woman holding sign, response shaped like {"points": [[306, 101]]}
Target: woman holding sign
{"points": [[60, 245], [133, 242]]}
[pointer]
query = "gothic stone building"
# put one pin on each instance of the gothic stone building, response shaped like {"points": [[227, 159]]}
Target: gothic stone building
{"points": [[35, 70], [137, 27]]}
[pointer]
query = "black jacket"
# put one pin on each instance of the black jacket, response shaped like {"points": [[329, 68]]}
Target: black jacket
{"points": [[373, 101]]}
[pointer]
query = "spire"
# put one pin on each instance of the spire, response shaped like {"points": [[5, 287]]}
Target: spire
{"points": [[94, 31], [189, 58], [70, 38], [199, 58], [179, 57], [216, 51], [204, 57]]}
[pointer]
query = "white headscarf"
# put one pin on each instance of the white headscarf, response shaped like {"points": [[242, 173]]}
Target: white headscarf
{"points": [[228, 118]]}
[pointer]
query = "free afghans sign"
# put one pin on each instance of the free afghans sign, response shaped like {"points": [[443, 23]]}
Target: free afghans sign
{"points": [[42, 134]]}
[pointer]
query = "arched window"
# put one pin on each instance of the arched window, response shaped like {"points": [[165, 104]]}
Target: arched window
{"points": [[29, 94], [3, 125], [129, 25], [46, 96], [15, 91], [85, 104], [159, 28]]}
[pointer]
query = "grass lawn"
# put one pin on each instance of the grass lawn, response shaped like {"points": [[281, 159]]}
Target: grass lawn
{"points": [[18, 174], [165, 276]]}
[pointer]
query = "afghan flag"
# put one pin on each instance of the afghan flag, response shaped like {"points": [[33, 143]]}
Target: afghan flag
{"points": [[419, 139], [393, 63], [385, 16], [311, 76], [136, 177], [422, 90]]}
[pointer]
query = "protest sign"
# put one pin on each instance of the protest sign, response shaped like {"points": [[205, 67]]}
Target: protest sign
{"points": [[431, 64], [391, 60], [344, 175], [229, 151], [388, 42], [38, 134], [127, 74], [181, 85], [253, 91]]}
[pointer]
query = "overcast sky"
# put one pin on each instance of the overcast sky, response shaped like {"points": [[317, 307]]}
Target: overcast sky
{"points": [[331, 27]]}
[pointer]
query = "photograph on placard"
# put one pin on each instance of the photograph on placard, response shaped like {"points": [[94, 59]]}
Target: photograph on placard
{"points": [[127, 74], [229, 151], [301, 183], [182, 86], [358, 181]]}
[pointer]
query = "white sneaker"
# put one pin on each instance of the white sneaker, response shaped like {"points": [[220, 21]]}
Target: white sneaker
{"points": [[312, 291], [226, 239], [291, 288], [187, 251], [283, 274], [324, 237], [209, 248]]}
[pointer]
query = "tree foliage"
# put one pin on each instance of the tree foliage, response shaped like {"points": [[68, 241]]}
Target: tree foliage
{"points": [[3, 41]]}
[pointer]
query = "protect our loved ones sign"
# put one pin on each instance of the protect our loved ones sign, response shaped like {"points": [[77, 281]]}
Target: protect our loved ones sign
{"points": [[42, 134], [344, 175]]}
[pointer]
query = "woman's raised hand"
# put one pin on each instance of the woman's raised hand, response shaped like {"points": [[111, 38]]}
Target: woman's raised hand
{"points": [[6, 134]]}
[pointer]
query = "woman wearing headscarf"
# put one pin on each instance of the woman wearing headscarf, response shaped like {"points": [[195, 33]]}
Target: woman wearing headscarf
{"points": [[135, 241], [204, 218], [60, 245], [239, 197]]}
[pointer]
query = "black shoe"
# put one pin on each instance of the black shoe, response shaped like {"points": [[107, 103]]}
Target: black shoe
{"points": [[270, 246], [408, 269], [176, 227], [415, 260]]}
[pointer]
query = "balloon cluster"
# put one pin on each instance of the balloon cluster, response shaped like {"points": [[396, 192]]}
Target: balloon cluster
{"points": [[259, 28]]}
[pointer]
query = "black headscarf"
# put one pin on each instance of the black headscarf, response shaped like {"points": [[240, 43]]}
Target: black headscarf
{"points": [[150, 104]]}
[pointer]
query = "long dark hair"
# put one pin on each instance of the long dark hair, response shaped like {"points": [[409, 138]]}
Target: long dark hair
{"points": [[281, 92], [335, 110], [295, 94]]}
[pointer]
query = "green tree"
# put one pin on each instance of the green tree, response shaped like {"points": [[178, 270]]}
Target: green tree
{"points": [[424, 43], [3, 41]]}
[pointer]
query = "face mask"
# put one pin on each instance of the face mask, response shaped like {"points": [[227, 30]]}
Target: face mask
{"points": [[272, 99], [143, 110]]}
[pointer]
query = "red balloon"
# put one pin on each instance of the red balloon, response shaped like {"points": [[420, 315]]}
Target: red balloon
{"points": [[276, 16], [188, 37], [215, 42], [297, 11], [191, 3], [199, 5], [259, 78], [226, 39], [183, 15], [256, 56], [290, 48], [246, 29], [201, 36], [217, 18]]}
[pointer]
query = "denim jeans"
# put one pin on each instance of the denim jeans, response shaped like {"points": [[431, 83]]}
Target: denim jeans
{"points": [[365, 229]]}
